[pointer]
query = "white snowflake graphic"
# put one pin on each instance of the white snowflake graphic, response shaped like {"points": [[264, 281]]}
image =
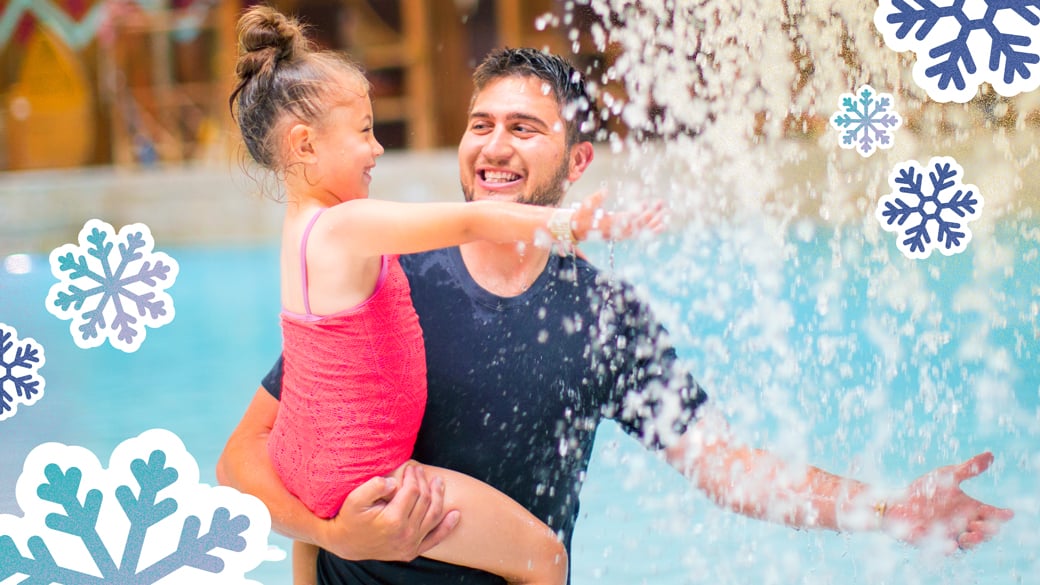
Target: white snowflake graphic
{"points": [[962, 43], [866, 121], [942, 208], [110, 281], [146, 519], [20, 362]]}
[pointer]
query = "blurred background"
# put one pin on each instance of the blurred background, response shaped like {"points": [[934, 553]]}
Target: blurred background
{"points": [[128, 98], [138, 89], [137, 83]]}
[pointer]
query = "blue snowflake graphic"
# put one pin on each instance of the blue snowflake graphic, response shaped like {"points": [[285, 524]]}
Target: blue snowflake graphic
{"points": [[942, 208], [25, 356], [951, 41], [866, 122], [74, 533], [104, 288]]}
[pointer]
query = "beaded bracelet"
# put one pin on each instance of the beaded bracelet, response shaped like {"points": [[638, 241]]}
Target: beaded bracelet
{"points": [[879, 511], [560, 225]]}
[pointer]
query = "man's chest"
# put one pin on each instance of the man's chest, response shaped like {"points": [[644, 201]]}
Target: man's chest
{"points": [[508, 392]]}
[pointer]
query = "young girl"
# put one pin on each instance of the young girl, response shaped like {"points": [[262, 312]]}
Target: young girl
{"points": [[354, 385]]}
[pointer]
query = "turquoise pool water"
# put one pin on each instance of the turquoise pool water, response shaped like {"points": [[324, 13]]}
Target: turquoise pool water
{"points": [[833, 349]]}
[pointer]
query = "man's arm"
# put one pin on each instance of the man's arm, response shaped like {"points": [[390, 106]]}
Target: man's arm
{"points": [[379, 520], [758, 484]]}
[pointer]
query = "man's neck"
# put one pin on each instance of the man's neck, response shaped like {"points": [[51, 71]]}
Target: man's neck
{"points": [[506, 270]]}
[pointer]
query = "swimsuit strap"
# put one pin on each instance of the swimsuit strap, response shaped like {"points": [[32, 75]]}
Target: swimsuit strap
{"points": [[303, 259]]}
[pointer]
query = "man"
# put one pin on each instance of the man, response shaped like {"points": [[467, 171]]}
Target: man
{"points": [[528, 351]]}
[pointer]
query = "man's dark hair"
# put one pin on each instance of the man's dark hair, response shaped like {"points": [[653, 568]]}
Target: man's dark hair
{"points": [[578, 109]]}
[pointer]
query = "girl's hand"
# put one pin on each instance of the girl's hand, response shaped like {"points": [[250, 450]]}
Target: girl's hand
{"points": [[651, 216], [590, 218]]}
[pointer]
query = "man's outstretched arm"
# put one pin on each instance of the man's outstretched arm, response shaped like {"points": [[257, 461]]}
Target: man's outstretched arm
{"points": [[758, 484], [379, 520]]}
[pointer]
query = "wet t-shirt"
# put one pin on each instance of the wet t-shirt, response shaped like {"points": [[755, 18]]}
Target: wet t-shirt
{"points": [[517, 387]]}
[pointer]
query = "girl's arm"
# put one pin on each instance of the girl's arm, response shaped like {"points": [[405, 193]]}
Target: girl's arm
{"points": [[371, 227]]}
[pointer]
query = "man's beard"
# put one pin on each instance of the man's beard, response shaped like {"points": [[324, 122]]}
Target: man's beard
{"points": [[548, 194]]}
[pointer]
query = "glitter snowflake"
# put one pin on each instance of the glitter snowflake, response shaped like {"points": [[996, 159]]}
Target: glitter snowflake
{"points": [[951, 42], [104, 288], [87, 525], [866, 122], [26, 357], [942, 208]]}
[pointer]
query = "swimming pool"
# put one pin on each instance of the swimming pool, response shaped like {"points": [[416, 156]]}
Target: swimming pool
{"points": [[882, 372]]}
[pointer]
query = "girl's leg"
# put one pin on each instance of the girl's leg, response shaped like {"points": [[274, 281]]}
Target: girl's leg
{"points": [[304, 563], [497, 535]]}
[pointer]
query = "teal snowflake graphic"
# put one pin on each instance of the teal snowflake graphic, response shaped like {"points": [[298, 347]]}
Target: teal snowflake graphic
{"points": [[111, 285], [144, 520], [866, 121]]}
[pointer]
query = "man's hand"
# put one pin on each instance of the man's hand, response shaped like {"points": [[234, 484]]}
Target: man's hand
{"points": [[932, 510], [385, 521], [382, 519], [935, 509]]}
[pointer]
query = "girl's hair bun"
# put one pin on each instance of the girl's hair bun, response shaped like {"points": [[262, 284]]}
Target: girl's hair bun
{"points": [[266, 38], [282, 75]]}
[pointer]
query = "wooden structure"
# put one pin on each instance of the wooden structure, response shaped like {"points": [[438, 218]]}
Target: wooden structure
{"points": [[156, 80], [48, 115], [165, 77], [419, 55], [397, 52]]}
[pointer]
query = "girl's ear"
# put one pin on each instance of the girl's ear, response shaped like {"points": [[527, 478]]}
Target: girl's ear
{"points": [[301, 143]]}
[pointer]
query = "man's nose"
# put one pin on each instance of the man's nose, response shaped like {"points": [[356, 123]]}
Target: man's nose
{"points": [[499, 145]]}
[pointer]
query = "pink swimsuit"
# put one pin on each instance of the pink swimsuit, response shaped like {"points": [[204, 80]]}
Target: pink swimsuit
{"points": [[353, 391]]}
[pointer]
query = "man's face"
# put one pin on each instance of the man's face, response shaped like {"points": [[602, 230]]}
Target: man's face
{"points": [[514, 147]]}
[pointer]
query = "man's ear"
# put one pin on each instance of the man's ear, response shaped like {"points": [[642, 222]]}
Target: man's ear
{"points": [[301, 143], [580, 157]]}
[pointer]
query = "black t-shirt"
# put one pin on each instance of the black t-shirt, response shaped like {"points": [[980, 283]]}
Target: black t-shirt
{"points": [[517, 387]]}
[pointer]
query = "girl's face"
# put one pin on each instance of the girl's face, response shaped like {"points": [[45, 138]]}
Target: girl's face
{"points": [[346, 148]]}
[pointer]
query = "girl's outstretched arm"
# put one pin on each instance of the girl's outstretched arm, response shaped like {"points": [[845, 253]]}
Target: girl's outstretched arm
{"points": [[370, 227]]}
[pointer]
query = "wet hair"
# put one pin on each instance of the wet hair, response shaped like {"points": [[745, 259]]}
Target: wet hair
{"points": [[282, 77], [577, 107]]}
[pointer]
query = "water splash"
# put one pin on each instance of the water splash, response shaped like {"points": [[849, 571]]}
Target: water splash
{"points": [[822, 341]]}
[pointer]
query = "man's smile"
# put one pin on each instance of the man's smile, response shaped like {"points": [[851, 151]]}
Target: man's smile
{"points": [[497, 177]]}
